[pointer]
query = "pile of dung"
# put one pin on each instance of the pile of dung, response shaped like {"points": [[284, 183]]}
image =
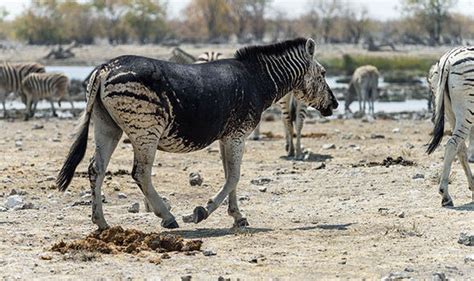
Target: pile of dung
{"points": [[387, 162], [117, 240]]}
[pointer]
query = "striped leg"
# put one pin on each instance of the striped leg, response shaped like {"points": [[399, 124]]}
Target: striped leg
{"points": [[471, 146], [234, 149], [52, 107], [462, 155], [286, 108], [107, 135], [300, 116]]}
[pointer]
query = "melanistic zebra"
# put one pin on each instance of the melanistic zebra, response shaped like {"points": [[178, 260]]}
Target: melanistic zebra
{"points": [[11, 76], [182, 108], [452, 82], [50, 86]]}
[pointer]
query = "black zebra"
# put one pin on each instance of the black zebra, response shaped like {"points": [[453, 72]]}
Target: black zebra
{"points": [[38, 86], [182, 108], [11, 76]]}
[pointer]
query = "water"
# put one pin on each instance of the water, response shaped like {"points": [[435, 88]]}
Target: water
{"points": [[81, 72]]}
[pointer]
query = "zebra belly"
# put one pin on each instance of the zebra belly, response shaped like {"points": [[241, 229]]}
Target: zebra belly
{"points": [[181, 144]]}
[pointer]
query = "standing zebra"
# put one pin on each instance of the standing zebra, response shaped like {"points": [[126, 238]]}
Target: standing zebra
{"points": [[180, 56], [363, 85], [208, 57], [37, 86], [11, 76], [452, 82], [182, 108]]}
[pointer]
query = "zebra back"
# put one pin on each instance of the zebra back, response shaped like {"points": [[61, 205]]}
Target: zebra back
{"points": [[180, 56], [45, 85], [208, 57], [12, 74]]}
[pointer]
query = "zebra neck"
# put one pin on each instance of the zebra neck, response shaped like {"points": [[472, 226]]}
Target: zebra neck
{"points": [[284, 72]]}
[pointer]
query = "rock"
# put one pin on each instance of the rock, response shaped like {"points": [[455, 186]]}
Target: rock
{"points": [[13, 192], [261, 181], [465, 239], [50, 178], [122, 195], [396, 130], [395, 276], [320, 166], [221, 278], [377, 136], [329, 146], [18, 143], [14, 201], [28, 206], [409, 269], [401, 214], [409, 145], [208, 253], [439, 276], [186, 278], [469, 258], [37, 127], [418, 176], [45, 257], [195, 179], [3, 209], [262, 189], [135, 208]]}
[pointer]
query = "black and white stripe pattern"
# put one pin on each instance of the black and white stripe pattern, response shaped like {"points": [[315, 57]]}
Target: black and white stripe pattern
{"points": [[38, 86], [452, 83], [11, 77], [208, 57]]}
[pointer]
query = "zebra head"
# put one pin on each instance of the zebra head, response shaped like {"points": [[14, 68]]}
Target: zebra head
{"points": [[314, 90]]}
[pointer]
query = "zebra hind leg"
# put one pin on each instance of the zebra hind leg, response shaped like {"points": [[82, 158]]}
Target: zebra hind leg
{"points": [[462, 155], [107, 135]]}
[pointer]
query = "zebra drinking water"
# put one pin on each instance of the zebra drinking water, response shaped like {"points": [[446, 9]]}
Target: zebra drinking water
{"points": [[37, 86], [452, 83], [183, 108], [11, 76], [364, 86]]}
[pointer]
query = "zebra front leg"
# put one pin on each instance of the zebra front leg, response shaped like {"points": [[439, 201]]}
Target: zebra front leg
{"points": [[28, 113], [234, 149], [300, 116], [52, 107], [3, 96], [233, 208], [289, 130], [144, 155]]}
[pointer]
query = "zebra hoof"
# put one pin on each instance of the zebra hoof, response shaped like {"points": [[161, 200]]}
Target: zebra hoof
{"points": [[199, 214], [169, 223], [241, 223], [447, 202]]}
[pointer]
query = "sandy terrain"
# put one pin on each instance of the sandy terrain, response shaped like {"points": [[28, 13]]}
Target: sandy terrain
{"points": [[338, 221]]}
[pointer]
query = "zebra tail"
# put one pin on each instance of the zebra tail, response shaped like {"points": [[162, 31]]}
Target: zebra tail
{"points": [[441, 91], [79, 146]]}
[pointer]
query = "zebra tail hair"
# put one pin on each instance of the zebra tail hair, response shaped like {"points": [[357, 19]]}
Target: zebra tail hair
{"points": [[441, 92], [79, 146]]}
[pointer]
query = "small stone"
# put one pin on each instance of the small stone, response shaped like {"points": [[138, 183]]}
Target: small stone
{"points": [[18, 143], [50, 178], [262, 189], [418, 176], [409, 145], [186, 278], [122, 195], [208, 253], [56, 139], [3, 209], [396, 276], [396, 130], [45, 257], [135, 208], [409, 269], [465, 239], [13, 192], [401, 214], [28, 206], [221, 278], [195, 179], [320, 166], [37, 127], [469, 258], [166, 256], [261, 181], [329, 146], [14, 201], [377, 136], [439, 276]]}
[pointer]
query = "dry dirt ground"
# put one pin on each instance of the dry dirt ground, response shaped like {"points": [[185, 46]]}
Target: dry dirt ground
{"points": [[343, 220]]}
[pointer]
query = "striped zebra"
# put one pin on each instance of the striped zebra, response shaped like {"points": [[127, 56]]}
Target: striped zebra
{"points": [[182, 57], [183, 108], [452, 83], [208, 57], [11, 76], [50, 86], [363, 86]]}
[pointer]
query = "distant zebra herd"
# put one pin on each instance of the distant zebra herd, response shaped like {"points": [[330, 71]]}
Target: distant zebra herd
{"points": [[31, 83]]}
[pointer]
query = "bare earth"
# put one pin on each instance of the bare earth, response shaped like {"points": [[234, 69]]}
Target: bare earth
{"points": [[336, 222]]}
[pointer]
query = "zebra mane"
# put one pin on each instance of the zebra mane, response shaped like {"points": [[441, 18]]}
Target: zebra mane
{"points": [[251, 53]]}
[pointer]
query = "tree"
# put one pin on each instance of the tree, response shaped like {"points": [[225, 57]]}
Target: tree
{"points": [[356, 22], [257, 10], [432, 15], [212, 15], [327, 11]]}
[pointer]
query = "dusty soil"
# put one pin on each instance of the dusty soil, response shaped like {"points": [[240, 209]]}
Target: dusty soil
{"points": [[344, 219]]}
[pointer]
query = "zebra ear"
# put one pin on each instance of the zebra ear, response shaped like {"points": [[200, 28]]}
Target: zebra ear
{"points": [[310, 47]]}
